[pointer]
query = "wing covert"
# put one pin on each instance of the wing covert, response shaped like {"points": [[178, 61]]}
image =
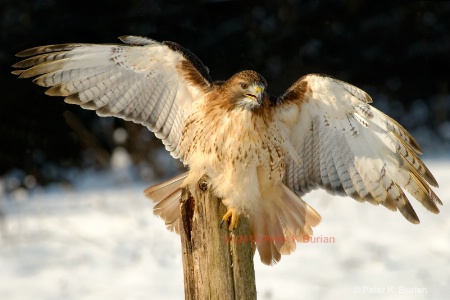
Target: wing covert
{"points": [[143, 81], [348, 147]]}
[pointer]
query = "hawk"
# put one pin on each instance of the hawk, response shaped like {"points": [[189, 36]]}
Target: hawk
{"points": [[261, 152]]}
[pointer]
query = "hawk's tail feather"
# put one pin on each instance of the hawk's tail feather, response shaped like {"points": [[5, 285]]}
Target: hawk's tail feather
{"points": [[277, 231], [167, 197]]}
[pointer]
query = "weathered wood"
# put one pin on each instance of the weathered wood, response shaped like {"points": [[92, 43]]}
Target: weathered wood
{"points": [[217, 264]]}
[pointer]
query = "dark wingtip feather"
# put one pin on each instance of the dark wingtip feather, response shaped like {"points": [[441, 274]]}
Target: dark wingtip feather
{"points": [[409, 213], [73, 99], [17, 72], [47, 49]]}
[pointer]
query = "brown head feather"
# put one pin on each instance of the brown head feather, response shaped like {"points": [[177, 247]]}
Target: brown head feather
{"points": [[232, 90]]}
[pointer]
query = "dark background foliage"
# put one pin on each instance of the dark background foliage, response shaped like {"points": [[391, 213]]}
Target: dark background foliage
{"points": [[399, 53]]}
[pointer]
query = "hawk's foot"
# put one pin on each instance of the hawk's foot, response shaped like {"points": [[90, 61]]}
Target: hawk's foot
{"points": [[232, 217]]}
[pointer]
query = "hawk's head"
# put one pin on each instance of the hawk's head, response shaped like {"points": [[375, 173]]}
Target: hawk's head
{"points": [[246, 89]]}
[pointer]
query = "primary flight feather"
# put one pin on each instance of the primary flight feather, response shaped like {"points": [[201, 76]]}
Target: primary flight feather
{"points": [[261, 153]]}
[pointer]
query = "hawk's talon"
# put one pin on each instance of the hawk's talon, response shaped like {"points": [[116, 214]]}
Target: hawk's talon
{"points": [[234, 218], [221, 223]]}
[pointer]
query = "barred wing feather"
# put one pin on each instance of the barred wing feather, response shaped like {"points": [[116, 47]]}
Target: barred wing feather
{"points": [[145, 81], [348, 147]]}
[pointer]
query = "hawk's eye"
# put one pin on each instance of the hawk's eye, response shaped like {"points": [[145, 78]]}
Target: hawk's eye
{"points": [[244, 86]]}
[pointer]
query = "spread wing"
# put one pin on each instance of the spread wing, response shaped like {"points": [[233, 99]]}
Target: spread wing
{"points": [[342, 144], [143, 81]]}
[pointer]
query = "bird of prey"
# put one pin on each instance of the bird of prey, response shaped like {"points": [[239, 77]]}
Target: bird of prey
{"points": [[261, 152]]}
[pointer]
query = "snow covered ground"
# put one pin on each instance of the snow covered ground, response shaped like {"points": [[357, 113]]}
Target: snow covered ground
{"points": [[100, 240]]}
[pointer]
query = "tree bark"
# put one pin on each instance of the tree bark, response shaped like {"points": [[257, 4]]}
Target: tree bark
{"points": [[217, 264]]}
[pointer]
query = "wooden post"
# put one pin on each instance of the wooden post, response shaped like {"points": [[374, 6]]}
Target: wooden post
{"points": [[217, 264]]}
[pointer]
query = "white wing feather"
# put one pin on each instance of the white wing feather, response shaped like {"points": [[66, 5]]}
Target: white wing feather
{"points": [[350, 148], [145, 82]]}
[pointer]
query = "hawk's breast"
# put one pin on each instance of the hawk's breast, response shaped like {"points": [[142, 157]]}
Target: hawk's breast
{"points": [[239, 150]]}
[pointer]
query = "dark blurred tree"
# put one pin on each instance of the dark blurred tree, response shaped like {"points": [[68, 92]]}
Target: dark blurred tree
{"points": [[399, 53]]}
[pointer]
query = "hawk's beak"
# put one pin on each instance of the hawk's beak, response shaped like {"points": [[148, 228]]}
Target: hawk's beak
{"points": [[255, 92]]}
